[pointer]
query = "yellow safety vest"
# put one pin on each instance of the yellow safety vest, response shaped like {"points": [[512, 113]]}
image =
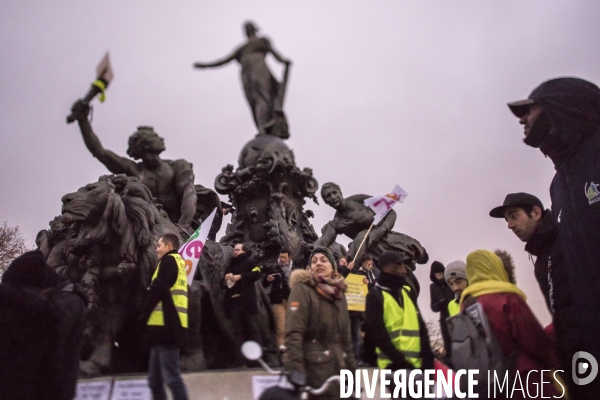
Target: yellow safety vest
{"points": [[403, 327], [179, 292], [453, 308]]}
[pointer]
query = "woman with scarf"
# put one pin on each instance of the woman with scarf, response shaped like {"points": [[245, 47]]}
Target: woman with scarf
{"points": [[317, 327], [491, 283]]}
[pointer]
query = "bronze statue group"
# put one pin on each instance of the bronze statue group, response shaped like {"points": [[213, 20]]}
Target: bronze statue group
{"points": [[112, 256]]}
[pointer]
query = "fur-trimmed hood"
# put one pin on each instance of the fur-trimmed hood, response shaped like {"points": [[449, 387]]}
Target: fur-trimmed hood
{"points": [[306, 277], [301, 276], [508, 263]]}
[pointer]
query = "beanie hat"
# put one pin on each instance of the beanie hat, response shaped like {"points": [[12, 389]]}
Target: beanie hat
{"points": [[456, 269], [30, 269], [436, 267], [328, 253], [389, 257]]}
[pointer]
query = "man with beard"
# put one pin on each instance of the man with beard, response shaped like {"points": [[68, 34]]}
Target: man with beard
{"points": [[240, 298], [561, 117]]}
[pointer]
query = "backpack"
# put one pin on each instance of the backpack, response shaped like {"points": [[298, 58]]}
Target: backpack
{"points": [[474, 346]]}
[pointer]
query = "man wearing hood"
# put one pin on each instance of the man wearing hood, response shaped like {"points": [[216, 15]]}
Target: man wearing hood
{"points": [[561, 117], [440, 294]]}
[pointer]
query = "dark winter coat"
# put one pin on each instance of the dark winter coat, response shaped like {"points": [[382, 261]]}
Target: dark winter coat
{"points": [[172, 333], [440, 295], [375, 325], [70, 303], [317, 333], [244, 266], [552, 277], [29, 331], [572, 107], [278, 289]]}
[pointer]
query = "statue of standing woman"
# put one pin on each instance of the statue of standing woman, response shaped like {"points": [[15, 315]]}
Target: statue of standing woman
{"points": [[263, 92]]}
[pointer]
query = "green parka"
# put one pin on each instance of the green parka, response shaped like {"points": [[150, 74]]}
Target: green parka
{"points": [[317, 333]]}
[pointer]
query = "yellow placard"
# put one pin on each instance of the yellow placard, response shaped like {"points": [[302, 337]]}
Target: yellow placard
{"points": [[357, 292]]}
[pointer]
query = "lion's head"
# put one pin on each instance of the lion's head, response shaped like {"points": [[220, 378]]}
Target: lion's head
{"points": [[118, 210]]}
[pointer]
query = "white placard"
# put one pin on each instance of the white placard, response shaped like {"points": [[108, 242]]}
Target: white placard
{"points": [[260, 383], [131, 390], [95, 390]]}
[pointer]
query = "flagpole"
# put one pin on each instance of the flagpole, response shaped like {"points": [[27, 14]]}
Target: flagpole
{"points": [[363, 241]]}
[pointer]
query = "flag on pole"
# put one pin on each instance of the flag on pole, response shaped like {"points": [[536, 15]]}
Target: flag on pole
{"points": [[381, 205], [192, 249]]}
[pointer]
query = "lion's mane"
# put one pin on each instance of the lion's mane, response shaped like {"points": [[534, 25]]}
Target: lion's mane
{"points": [[129, 218]]}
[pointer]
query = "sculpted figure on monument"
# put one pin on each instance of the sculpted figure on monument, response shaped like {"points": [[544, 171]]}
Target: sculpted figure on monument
{"points": [[171, 182], [264, 93], [105, 240], [353, 219]]}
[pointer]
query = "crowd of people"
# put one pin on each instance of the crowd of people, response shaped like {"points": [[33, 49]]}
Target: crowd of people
{"points": [[312, 322], [562, 118]]}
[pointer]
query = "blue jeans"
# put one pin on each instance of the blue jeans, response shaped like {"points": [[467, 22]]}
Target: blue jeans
{"points": [[164, 368]]}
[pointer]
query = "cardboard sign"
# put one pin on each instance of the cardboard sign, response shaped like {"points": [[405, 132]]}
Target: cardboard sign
{"points": [[356, 295], [131, 390], [260, 383], [94, 390]]}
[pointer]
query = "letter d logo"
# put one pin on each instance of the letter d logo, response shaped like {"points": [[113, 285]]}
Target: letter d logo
{"points": [[580, 368]]}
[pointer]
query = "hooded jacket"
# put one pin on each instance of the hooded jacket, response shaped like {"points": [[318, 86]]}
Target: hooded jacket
{"points": [[572, 141], [552, 277], [317, 333], [439, 291], [440, 295]]}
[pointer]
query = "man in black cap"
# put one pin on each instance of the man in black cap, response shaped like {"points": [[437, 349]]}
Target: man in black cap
{"points": [[561, 117], [392, 318], [526, 217]]}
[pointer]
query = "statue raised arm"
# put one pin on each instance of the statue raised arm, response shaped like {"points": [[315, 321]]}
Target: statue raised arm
{"points": [[171, 182], [264, 93], [114, 163]]}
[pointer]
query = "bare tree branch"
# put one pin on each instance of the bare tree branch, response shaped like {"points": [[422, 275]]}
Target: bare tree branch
{"points": [[12, 245]]}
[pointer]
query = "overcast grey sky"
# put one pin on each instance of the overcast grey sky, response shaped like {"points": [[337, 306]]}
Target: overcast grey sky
{"points": [[380, 93]]}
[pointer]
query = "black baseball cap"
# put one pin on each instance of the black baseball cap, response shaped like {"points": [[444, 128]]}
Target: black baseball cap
{"points": [[521, 107], [390, 256], [516, 200]]}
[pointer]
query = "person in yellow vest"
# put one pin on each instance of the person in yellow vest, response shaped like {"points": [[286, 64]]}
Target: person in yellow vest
{"points": [[165, 313], [455, 276], [393, 320]]}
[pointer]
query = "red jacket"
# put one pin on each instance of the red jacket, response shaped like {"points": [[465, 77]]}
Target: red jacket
{"points": [[517, 329]]}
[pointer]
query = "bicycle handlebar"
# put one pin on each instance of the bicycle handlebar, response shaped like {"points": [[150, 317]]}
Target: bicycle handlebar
{"points": [[324, 386]]}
